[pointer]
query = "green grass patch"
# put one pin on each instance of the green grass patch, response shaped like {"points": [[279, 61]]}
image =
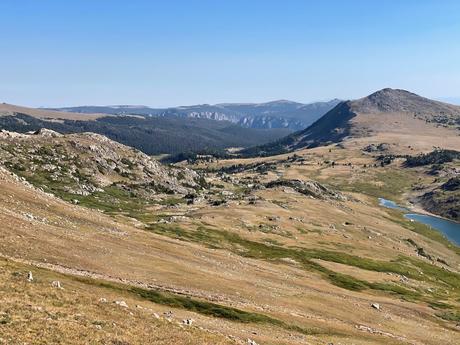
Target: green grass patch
{"points": [[439, 305], [422, 229], [450, 316], [435, 274], [198, 306], [388, 184], [406, 266], [203, 307]]}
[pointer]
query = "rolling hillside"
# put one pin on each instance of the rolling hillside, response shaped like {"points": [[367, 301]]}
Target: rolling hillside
{"points": [[101, 243], [385, 111]]}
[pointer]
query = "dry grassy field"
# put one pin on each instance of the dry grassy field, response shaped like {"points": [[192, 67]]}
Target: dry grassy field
{"points": [[268, 264]]}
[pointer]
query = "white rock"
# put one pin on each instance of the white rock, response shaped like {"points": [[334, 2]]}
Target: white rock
{"points": [[121, 304], [30, 277], [375, 306], [45, 132], [56, 284]]}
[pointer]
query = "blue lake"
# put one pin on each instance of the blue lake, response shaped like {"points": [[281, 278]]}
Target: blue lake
{"points": [[449, 228]]}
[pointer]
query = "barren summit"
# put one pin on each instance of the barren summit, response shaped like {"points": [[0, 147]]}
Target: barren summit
{"points": [[384, 111], [397, 100]]}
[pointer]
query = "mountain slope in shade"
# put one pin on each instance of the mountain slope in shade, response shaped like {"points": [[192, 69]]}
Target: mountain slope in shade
{"points": [[275, 114], [387, 110]]}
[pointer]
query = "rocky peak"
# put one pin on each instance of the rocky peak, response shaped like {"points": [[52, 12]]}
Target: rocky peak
{"points": [[86, 163], [396, 101]]}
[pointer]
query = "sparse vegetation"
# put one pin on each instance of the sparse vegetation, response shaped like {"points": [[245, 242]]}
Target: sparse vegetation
{"points": [[450, 316], [389, 184], [423, 230], [195, 305], [408, 267], [435, 157], [251, 267]]}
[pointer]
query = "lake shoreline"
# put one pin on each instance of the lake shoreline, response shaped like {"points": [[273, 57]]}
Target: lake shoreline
{"points": [[449, 228], [415, 207]]}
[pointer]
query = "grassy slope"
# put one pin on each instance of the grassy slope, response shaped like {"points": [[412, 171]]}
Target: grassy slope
{"points": [[36, 313], [444, 298]]}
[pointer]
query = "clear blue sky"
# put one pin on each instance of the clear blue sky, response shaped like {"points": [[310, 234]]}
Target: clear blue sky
{"points": [[164, 53]]}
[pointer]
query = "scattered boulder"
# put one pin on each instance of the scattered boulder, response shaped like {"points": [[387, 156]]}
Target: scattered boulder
{"points": [[187, 322], [30, 277], [121, 304], [102, 300], [56, 284], [375, 306], [168, 314]]}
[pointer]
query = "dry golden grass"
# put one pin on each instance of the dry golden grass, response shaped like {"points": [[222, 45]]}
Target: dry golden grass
{"points": [[78, 241], [10, 109], [37, 313]]}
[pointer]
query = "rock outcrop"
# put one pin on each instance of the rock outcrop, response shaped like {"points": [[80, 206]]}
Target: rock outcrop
{"points": [[86, 163], [309, 188]]}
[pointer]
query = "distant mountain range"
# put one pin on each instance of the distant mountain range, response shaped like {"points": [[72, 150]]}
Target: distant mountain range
{"points": [[387, 110], [261, 129], [153, 135], [276, 114]]}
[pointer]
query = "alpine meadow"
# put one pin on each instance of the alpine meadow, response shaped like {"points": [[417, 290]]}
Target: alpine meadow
{"points": [[243, 172]]}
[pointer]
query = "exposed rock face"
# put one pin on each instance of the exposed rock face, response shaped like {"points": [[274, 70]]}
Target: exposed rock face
{"points": [[276, 114], [4, 134], [271, 122], [310, 188], [332, 127]]}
